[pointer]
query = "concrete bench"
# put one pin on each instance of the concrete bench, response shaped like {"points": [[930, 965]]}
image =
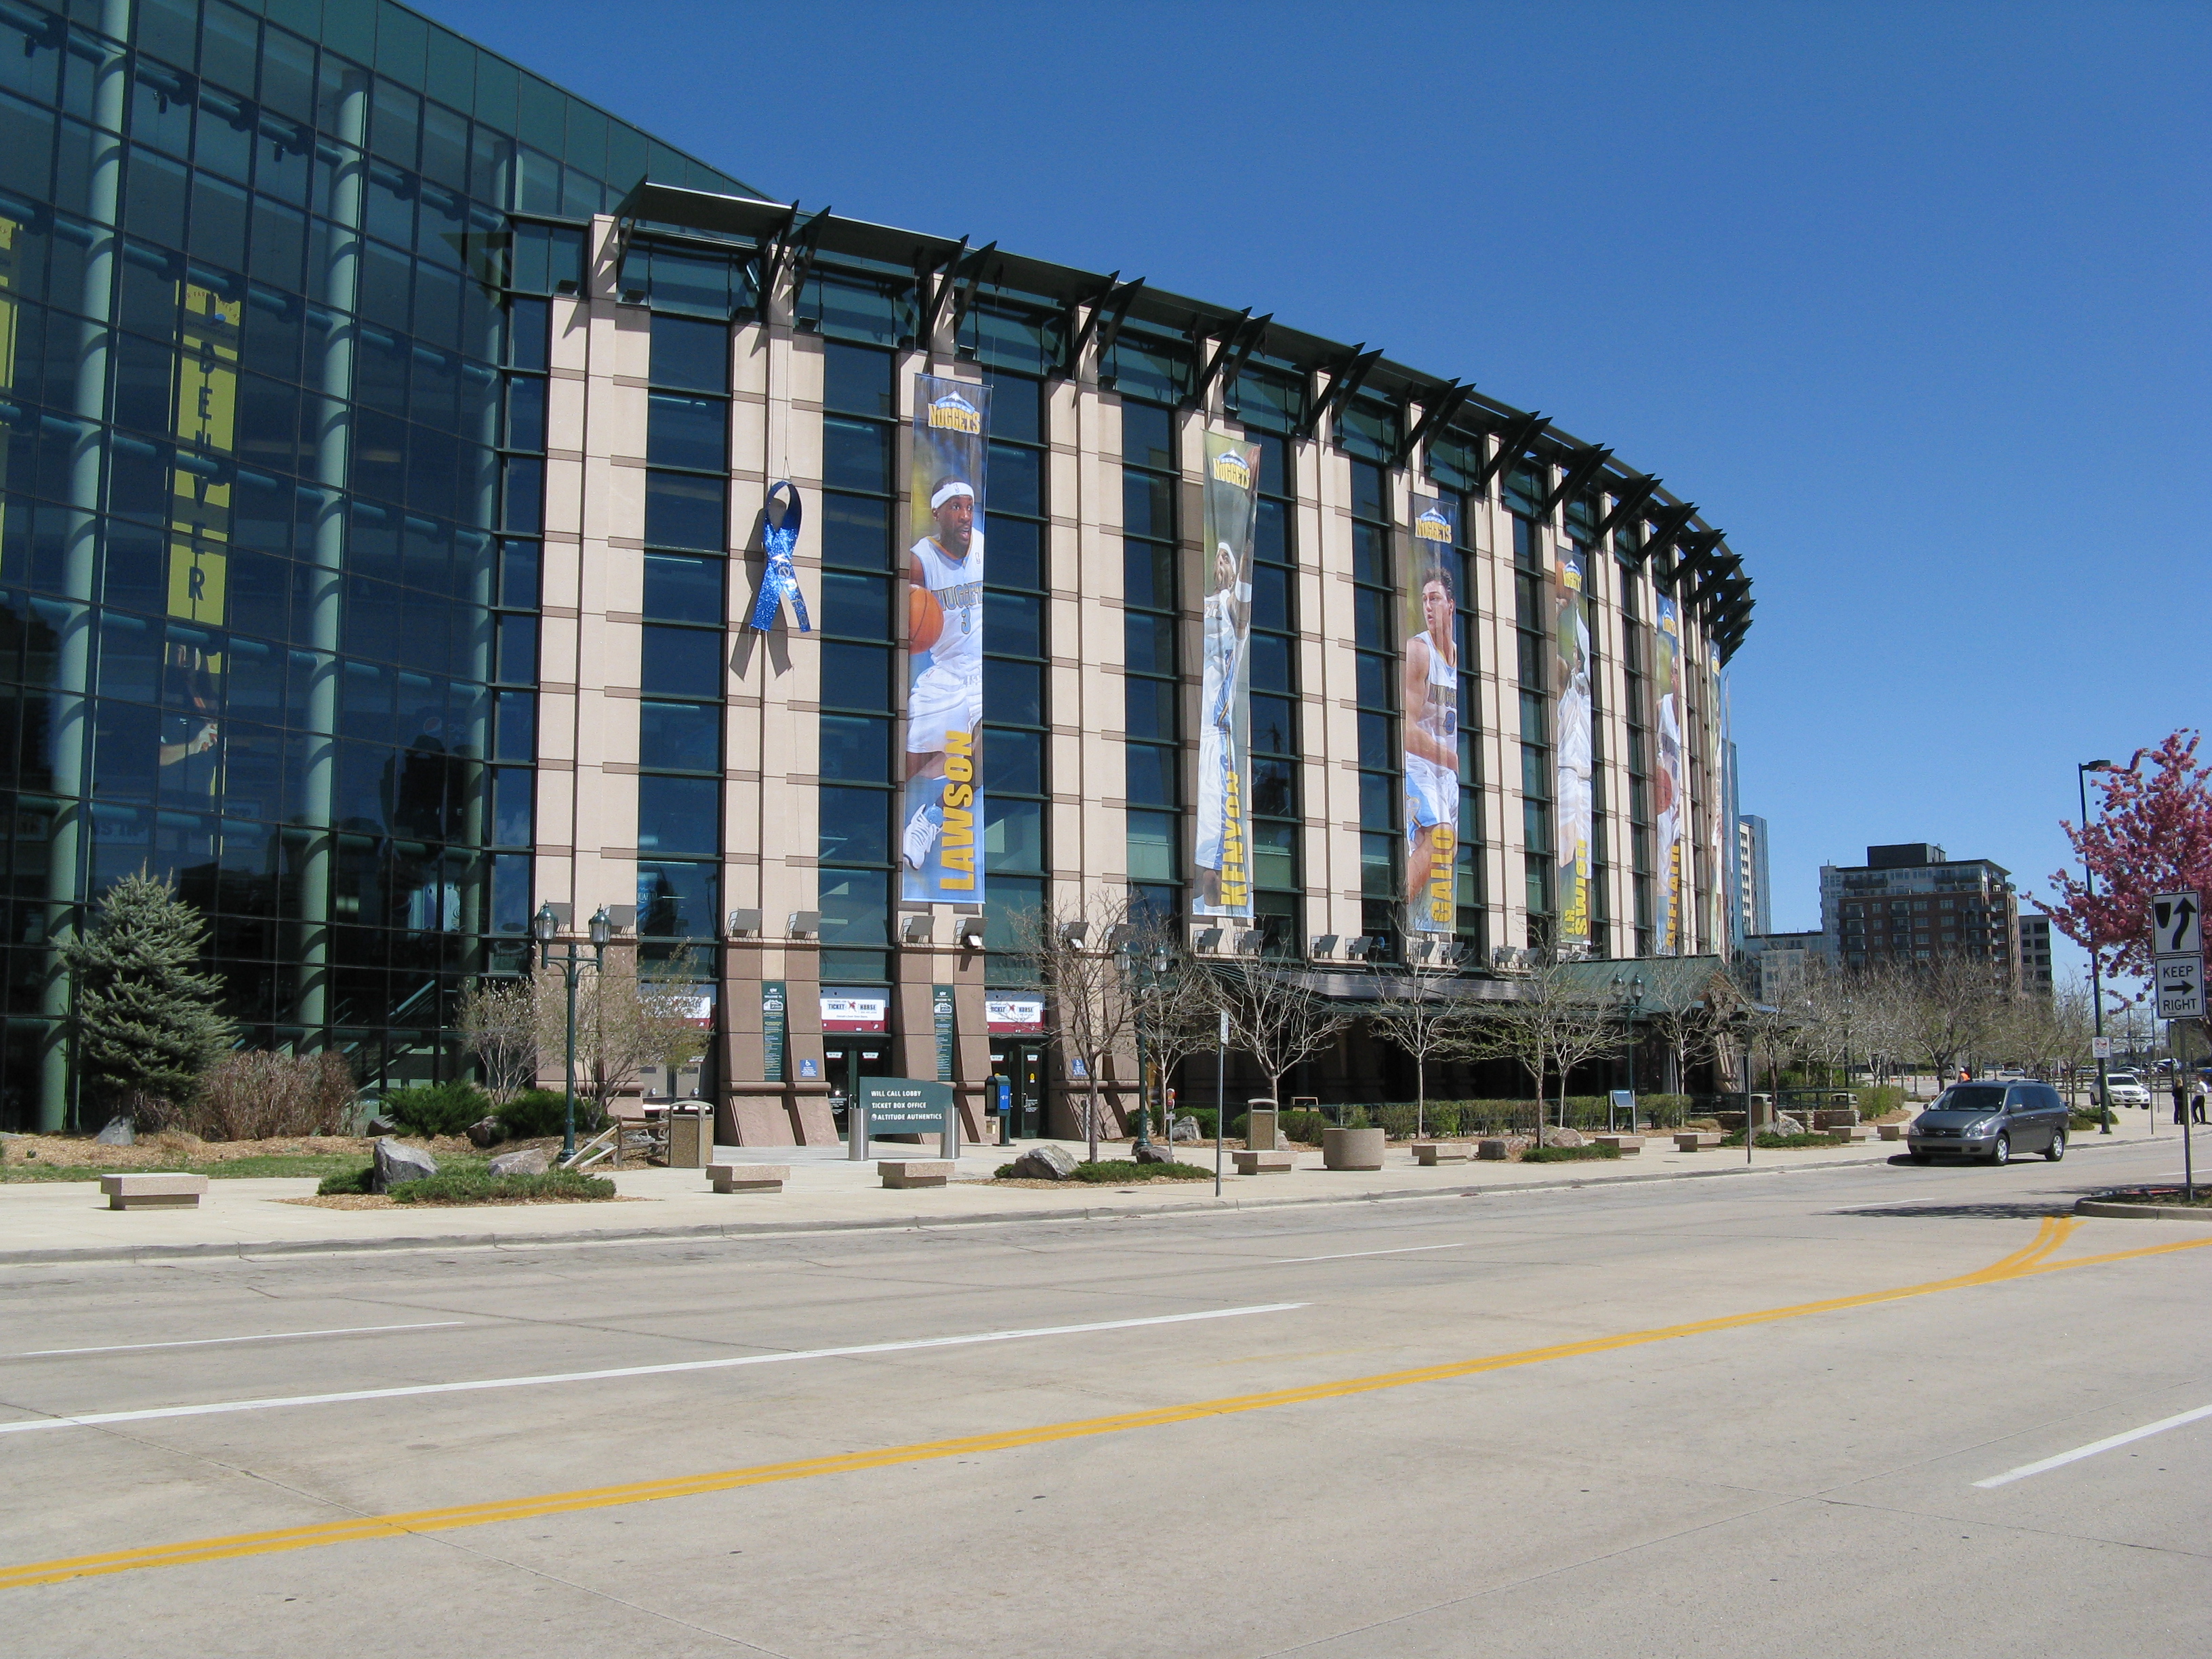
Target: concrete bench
{"points": [[748, 1177], [1264, 1163], [154, 1192], [1626, 1146], [1845, 1134], [915, 1171], [1429, 1153], [1891, 1131], [1696, 1140]]}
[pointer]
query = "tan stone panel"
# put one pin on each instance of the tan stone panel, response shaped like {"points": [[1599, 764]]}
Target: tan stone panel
{"points": [[571, 346], [564, 496]]}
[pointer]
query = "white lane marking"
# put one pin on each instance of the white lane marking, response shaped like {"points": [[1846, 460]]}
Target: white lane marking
{"points": [[95, 1419], [1406, 1249], [2096, 1446], [210, 1341]]}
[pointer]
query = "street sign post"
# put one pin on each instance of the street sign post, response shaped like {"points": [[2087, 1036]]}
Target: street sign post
{"points": [[2177, 925], [2101, 1048]]}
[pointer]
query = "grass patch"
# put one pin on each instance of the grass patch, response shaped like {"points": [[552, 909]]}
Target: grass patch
{"points": [[1123, 1172], [473, 1186], [1774, 1143], [1569, 1154]]}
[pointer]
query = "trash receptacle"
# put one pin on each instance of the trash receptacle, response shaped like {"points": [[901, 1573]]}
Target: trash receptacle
{"points": [[1261, 1133], [690, 1135]]}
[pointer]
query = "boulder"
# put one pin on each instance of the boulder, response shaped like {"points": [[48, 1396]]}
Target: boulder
{"points": [[1186, 1128], [531, 1160], [1493, 1148], [1555, 1136], [398, 1163], [383, 1125], [1784, 1124], [486, 1132], [1045, 1162], [117, 1132], [1146, 1153]]}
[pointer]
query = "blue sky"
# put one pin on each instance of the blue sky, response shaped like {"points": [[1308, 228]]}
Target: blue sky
{"points": [[1909, 299]]}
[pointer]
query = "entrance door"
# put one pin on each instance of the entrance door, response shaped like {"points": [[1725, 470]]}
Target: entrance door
{"points": [[1022, 1064], [852, 1057]]}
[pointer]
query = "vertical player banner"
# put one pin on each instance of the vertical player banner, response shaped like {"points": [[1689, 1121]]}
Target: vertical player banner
{"points": [[1673, 802], [1431, 627], [1720, 819], [1223, 853], [941, 811], [1569, 583]]}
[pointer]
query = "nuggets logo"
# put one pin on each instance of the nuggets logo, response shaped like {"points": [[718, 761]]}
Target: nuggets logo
{"points": [[954, 413], [1230, 468], [1433, 527], [1668, 624], [1571, 577]]}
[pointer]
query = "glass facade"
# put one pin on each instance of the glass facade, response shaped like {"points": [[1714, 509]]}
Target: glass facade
{"points": [[272, 393]]}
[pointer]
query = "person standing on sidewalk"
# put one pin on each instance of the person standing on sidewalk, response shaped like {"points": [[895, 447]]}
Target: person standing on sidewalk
{"points": [[2181, 1099]]}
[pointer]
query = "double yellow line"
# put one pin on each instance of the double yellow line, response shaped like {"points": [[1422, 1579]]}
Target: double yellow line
{"points": [[2034, 1258]]}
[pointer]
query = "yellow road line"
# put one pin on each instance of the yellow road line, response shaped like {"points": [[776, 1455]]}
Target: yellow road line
{"points": [[2032, 1258]]}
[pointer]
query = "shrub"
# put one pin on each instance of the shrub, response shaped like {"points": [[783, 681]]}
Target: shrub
{"points": [[258, 1096], [1880, 1100], [1120, 1172], [1568, 1154], [356, 1182], [536, 1113], [436, 1109], [1303, 1126], [1781, 1143], [474, 1187]]}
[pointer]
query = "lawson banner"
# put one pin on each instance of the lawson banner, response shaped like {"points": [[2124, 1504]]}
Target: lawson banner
{"points": [[1673, 802], [1223, 853], [942, 810], [1571, 583], [1431, 628]]}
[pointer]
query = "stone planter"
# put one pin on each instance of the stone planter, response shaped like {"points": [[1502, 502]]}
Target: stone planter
{"points": [[1352, 1149]]}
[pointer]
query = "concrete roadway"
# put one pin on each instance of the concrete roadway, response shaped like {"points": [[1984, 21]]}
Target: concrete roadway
{"points": [[1802, 1483]]}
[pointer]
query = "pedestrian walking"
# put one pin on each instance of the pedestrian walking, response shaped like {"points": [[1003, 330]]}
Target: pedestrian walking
{"points": [[2196, 1101]]}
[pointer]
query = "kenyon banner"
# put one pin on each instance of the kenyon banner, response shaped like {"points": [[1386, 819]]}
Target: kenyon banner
{"points": [[1673, 800], [1432, 723], [1570, 580], [1715, 912], [1224, 854], [943, 807]]}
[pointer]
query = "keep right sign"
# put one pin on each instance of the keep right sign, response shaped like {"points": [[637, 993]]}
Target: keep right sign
{"points": [[2180, 982]]}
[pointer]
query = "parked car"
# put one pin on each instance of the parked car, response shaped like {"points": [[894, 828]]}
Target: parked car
{"points": [[2125, 1089], [1990, 1121]]}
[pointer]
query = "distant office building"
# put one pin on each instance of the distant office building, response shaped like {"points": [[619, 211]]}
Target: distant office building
{"points": [[1776, 966], [1753, 894], [1912, 904], [2035, 954]]}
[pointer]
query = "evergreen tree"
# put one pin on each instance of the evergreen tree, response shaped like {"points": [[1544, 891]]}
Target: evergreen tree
{"points": [[147, 1021]]}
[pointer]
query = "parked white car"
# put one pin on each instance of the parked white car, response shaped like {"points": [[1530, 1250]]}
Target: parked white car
{"points": [[2125, 1089]]}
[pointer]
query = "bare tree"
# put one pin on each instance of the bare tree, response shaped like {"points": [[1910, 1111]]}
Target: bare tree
{"points": [[1950, 1008], [1559, 1020], [1179, 1001], [1689, 1034], [1069, 947], [626, 1020], [1419, 1015], [499, 1019], [1278, 1023]]}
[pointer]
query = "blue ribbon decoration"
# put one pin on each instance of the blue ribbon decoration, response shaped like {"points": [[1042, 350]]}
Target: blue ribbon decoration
{"points": [[781, 580]]}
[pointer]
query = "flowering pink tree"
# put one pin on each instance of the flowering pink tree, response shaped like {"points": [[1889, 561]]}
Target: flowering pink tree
{"points": [[2153, 836]]}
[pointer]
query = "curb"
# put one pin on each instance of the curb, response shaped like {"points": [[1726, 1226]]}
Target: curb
{"points": [[133, 1253], [2141, 1211]]}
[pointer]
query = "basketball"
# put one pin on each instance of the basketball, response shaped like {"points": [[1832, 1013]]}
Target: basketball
{"points": [[925, 619]]}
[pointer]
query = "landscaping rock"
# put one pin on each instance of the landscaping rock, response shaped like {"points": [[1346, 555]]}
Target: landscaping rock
{"points": [[1186, 1128], [1784, 1124], [1555, 1136], [117, 1132], [1494, 1149], [398, 1164], [487, 1131], [531, 1160], [1046, 1162], [383, 1125], [1148, 1153]]}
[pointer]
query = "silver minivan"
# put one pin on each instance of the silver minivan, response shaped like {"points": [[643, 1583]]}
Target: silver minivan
{"points": [[1990, 1121]]}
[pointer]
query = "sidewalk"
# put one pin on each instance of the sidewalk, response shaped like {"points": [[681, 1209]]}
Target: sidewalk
{"points": [[69, 1221]]}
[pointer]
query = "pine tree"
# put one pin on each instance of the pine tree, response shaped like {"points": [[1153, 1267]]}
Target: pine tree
{"points": [[147, 1021]]}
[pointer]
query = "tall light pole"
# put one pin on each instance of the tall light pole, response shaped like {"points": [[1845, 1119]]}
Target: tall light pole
{"points": [[2096, 973], [1629, 993], [1146, 974], [544, 926]]}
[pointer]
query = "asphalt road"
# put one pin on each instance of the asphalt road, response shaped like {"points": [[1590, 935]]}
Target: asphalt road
{"points": [[1721, 1417]]}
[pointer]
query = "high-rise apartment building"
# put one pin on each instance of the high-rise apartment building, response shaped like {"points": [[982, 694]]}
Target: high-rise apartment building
{"points": [[1912, 903], [1754, 897], [2035, 953]]}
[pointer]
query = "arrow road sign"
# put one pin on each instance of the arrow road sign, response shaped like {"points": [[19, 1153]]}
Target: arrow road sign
{"points": [[2177, 925], [2180, 987]]}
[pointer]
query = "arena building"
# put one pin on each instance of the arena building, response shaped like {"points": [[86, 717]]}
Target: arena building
{"points": [[428, 498]]}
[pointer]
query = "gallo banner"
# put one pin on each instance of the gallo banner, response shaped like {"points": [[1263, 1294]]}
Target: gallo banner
{"points": [[1673, 802], [1719, 824], [1224, 854], [1570, 581], [1431, 723], [943, 806]]}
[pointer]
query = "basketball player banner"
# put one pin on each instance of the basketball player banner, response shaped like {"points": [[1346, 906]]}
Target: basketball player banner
{"points": [[1569, 578], [941, 813], [1223, 853], [1673, 802], [1431, 722]]}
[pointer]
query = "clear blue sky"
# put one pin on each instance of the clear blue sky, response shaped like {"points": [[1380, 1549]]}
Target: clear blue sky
{"points": [[1911, 300]]}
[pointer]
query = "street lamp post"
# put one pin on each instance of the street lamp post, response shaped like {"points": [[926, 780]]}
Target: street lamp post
{"points": [[571, 960], [2096, 976], [1629, 993], [1146, 974]]}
